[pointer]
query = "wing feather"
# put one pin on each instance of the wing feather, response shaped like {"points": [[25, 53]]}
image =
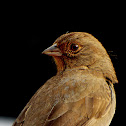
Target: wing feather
{"points": [[74, 103], [85, 111]]}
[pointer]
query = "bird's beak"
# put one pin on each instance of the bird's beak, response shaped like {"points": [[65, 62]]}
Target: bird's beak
{"points": [[52, 51]]}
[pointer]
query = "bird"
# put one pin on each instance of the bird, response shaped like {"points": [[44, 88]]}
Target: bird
{"points": [[82, 91]]}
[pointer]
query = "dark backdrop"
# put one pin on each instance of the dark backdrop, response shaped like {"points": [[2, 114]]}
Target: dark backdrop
{"points": [[24, 69]]}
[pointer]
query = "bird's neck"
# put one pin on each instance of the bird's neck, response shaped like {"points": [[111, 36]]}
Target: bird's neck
{"points": [[60, 64]]}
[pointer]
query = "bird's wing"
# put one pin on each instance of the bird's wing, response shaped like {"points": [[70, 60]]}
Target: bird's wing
{"points": [[21, 118], [72, 102], [84, 102]]}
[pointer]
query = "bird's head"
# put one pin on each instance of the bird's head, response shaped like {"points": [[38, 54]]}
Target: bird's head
{"points": [[78, 49]]}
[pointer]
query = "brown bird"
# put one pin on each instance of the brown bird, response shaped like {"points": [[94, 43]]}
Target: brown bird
{"points": [[81, 93]]}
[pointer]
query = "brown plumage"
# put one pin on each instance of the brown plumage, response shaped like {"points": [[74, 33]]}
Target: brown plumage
{"points": [[81, 93]]}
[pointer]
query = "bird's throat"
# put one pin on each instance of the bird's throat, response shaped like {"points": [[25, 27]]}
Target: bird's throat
{"points": [[60, 64]]}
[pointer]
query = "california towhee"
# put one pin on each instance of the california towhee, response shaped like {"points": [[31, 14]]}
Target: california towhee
{"points": [[81, 93]]}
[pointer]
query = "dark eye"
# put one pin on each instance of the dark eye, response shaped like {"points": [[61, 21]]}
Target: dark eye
{"points": [[74, 47]]}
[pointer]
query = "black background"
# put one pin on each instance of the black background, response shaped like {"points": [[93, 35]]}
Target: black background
{"points": [[24, 69]]}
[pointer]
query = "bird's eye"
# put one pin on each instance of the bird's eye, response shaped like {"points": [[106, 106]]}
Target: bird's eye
{"points": [[74, 47]]}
